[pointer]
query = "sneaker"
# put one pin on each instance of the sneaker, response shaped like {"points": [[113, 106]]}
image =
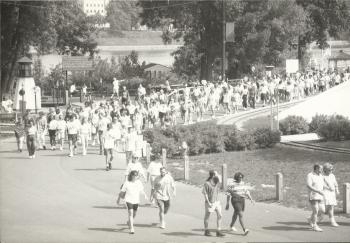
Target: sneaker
{"points": [[70, 155], [61, 148], [110, 165], [309, 221], [107, 168], [52, 148], [334, 224], [33, 156], [246, 231], [219, 234], [316, 228], [233, 229], [132, 231], [207, 233], [30, 157], [162, 226]]}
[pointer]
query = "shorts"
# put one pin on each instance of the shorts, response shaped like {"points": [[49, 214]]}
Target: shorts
{"points": [[161, 115], [164, 203], [108, 151], [238, 204], [215, 206], [60, 134], [132, 206], [263, 96], [314, 201], [73, 137]]}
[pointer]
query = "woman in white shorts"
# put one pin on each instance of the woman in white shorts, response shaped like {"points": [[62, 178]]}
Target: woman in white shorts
{"points": [[330, 192]]}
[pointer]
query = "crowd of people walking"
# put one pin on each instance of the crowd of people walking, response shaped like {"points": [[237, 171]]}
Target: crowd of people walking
{"points": [[117, 125]]}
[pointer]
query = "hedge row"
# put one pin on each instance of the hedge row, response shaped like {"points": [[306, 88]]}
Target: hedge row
{"points": [[334, 127], [208, 137]]}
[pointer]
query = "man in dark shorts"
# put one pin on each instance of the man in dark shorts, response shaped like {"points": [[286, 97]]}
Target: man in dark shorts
{"points": [[163, 189]]}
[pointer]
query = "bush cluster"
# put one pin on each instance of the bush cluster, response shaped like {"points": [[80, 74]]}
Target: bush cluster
{"points": [[294, 125], [208, 137], [334, 127]]}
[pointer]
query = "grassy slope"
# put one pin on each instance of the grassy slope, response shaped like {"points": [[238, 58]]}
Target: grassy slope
{"points": [[130, 38], [260, 167]]}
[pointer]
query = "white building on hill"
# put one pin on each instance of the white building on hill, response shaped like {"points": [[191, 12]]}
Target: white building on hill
{"points": [[92, 7]]}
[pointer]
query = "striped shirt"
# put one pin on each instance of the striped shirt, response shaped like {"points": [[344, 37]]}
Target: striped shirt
{"points": [[238, 189]]}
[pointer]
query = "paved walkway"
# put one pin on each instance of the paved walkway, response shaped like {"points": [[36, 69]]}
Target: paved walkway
{"points": [[54, 198]]}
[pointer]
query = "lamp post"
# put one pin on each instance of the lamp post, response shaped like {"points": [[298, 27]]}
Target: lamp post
{"points": [[22, 93], [35, 92]]}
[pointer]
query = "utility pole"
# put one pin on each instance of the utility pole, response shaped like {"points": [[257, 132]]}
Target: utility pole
{"points": [[223, 41]]}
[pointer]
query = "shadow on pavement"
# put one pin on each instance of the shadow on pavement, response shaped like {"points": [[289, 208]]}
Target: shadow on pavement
{"points": [[153, 225], [182, 234], [294, 223], [21, 158], [122, 230], [123, 206], [97, 169], [10, 151], [287, 228]]}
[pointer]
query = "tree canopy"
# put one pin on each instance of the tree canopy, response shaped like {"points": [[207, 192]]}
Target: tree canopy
{"points": [[122, 15], [46, 25], [265, 31]]}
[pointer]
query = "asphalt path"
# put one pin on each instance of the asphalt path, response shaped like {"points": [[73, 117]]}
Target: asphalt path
{"points": [[55, 198]]}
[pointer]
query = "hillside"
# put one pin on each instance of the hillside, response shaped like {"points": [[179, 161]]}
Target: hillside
{"points": [[127, 38]]}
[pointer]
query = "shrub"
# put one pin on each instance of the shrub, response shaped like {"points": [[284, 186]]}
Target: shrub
{"points": [[294, 125], [317, 121], [266, 138], [336, 128]]}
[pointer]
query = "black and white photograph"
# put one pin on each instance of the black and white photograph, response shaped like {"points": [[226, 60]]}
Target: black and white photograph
{"points": [[177, 121]]}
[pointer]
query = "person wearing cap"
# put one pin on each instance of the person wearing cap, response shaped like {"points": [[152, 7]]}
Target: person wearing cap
{"points": [[212, 203], [162, 191], [41, 129], [330, 191]]}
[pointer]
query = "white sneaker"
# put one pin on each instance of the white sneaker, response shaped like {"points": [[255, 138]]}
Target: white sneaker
{"points": [[334, 224], [246, 231], [30, 157], [33, 156], [70, 155], [61, 148], [162, 225], [233, 229], [316, 228]]}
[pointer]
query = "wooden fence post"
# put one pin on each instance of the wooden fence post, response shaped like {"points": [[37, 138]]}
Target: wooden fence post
{"points": [[164, 157], [186, 166], [346, 198], [279, 186], [224, 177], [148, 153]]}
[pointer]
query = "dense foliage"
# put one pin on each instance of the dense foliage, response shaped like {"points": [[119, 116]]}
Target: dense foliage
{"points": [[294, 125], [208, 137], [336, 128], [46, 25], [266, 31]]}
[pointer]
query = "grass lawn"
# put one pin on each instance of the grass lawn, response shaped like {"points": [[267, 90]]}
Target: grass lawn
{"points": [[260, 167], [332, 144]]}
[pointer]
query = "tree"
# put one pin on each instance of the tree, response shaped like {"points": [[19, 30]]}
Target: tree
{"points": [[328, 18], [122, 15], [47, 25]]}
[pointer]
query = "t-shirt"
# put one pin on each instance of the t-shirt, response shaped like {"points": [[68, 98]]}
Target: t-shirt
{"points": [[237, 189], [53, 125], [163, 187], [41, 124], [212, 191], [154, 168], [317, 182], [61, 125], [72, 127], [102, 124], [132, 191], [109, 140]]}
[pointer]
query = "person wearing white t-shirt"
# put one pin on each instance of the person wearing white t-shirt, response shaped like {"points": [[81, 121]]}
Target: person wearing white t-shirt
{"points": [[315, 184], [85, 134], [163, 190], [61, 130], [52, 127], [109, 143], [101, 129], [130, 144], [153, 171], [132, 189], [73, 129]]}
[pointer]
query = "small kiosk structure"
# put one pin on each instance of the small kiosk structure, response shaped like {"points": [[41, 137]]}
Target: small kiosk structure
{"points": [[339, 60], [27, 95]]}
